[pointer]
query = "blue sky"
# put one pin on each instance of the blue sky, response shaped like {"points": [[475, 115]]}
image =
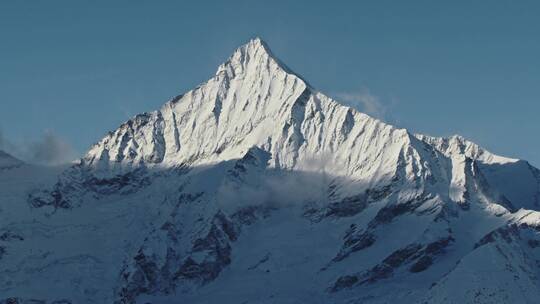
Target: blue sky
{"points": [[72, 70]]}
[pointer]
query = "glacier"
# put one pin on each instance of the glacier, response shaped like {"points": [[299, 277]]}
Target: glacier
{"points": [[256, 188]]}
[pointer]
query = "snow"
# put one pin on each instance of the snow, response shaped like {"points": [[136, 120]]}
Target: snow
{"points": [[249, 187]]}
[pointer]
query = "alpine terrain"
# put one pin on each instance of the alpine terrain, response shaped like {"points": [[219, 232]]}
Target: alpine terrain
{"points": [[256, 188]]}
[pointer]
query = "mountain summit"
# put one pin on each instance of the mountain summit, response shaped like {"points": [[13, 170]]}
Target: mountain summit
{"points": [[243, 105], [255, 187]]}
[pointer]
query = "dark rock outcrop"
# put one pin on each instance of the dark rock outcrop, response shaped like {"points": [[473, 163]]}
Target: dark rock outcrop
{"points": [[420, 256]]}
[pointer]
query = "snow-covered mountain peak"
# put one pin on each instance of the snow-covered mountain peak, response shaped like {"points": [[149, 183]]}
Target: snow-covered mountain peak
{"points": [[255, 177], [255, 53], [249, 99], [255, 101]]}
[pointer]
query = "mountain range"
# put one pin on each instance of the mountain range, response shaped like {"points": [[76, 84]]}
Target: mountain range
{"points": [[256, 188]]}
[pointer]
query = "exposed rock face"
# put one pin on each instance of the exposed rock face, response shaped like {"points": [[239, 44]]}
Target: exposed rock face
{"points": [[255, 187], [419, 257]]}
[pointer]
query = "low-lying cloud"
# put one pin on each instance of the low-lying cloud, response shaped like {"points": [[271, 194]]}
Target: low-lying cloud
{"points": [[275, 189], [50, 149], [309, 182]]}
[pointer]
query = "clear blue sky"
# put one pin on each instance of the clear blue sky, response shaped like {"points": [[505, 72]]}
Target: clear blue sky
{"points": [[77, 69]]}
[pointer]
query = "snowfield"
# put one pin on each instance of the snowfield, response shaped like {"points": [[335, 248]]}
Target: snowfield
{"points": [[256, 188]]}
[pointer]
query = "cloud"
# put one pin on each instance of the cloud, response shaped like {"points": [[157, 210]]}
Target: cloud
{"points": [[309, 183], [275, 189], [364, 102], [50, 149]]}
